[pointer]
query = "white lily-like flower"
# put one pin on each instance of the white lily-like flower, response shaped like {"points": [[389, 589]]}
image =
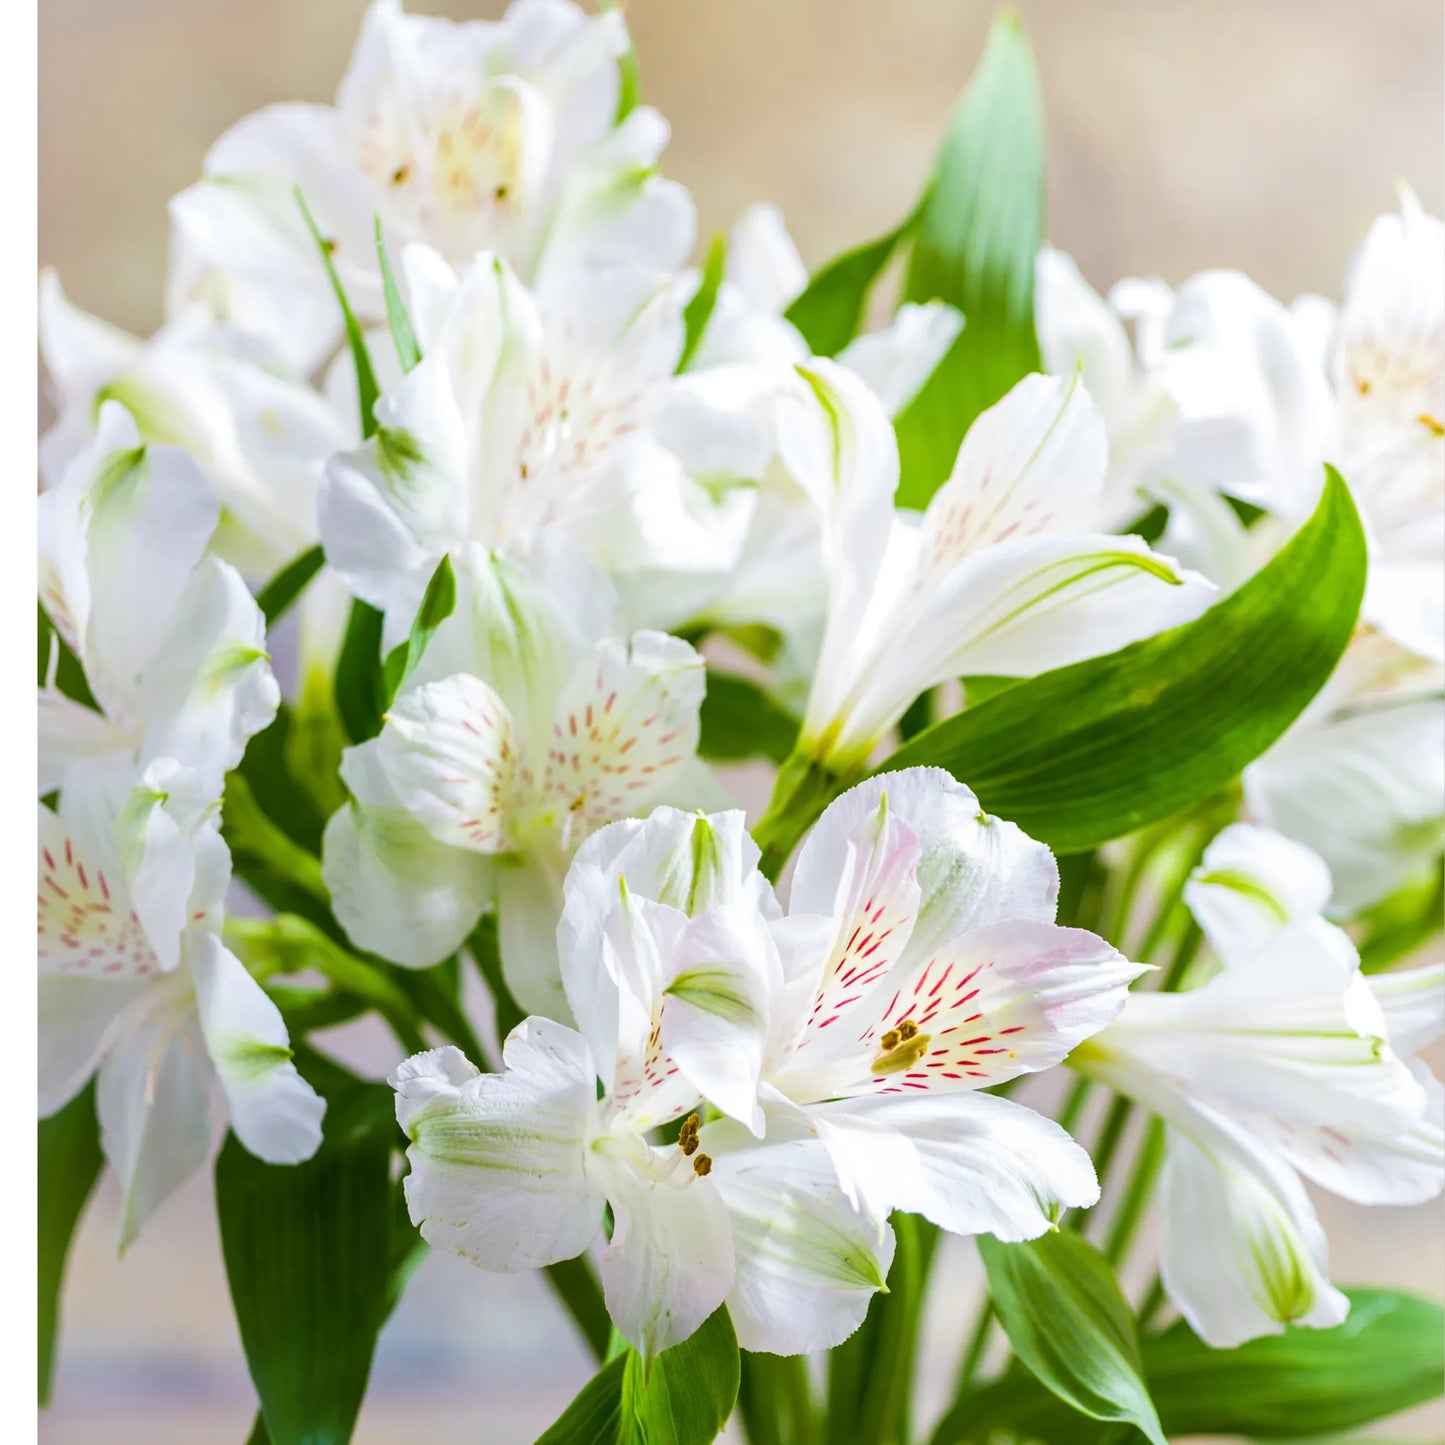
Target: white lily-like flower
{"points": [[529, 723], [529, 418], [918, 965], [1360, 776], [172, 643], [1282, 1062], [480, 136], [996, 577], [136, 983], [259, 439]]}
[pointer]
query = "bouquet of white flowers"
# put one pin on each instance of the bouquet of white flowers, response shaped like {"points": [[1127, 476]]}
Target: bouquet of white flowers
{"points": [[1095, 642]]}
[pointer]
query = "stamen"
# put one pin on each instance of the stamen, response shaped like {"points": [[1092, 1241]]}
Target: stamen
{"points": [[902, 1048], [907, 1029], [891, 1040], [400, 174], [687, 1136], [702, 1166]]}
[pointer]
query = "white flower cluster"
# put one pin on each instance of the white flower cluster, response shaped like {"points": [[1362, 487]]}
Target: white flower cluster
{"points": [[610, 471]]}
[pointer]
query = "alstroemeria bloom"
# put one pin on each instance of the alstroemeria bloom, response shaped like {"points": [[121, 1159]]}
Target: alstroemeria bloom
{"points": [[918, 964], [529, 417], [172, 643], [136, 983], [1282, 1062], [529, 723], [998, 576], [259, 439], [511, 1170], [480, 136], [1360, 776]]}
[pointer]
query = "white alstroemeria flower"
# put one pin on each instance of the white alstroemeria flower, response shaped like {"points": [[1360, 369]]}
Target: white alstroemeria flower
{"points": [[530, 417], [997, 576], [1360, 776], [1281, 1063], [480, 136], [136, 983], [1079, 330], [172, 643], [259, 439], [512, 1171], [918, 964], [1387, 362], [529, 723]]}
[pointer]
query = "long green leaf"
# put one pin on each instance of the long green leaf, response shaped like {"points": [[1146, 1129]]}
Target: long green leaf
{"points": [[68, 1159], [359, 681], [289, 583], [402, 335], [978, 236], [829, 311], [69, 674], [437, 604], [698, 312], [366, 387], [1386, 1357], [739, 720], [684, 1399], [283, 796], [1068, 1321], [1097, 750], [309, 1270]]}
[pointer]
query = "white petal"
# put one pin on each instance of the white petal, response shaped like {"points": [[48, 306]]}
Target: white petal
{"points": [[274, 1112], [808, 1262], [971, 1163], [82, 353], [896, 361], [76, 1015], [1294, 1032], [396, 890], [625, 725], [499, 1161], [1412, 1001], [449, 752], [762, 259], [153, 1103], [1243, 1252], [669, 1264], [1363, 790], [972, 869], [715, 1011], [1250, 883], [529, 907]]}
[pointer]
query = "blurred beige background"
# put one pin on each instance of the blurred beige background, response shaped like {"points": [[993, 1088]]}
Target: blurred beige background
{"points": [[1262, 135]]}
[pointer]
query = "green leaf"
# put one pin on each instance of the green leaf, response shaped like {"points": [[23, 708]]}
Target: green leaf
{"points": [[283, 796], [402, 336], [69, 1159], [684, 1399], [485, 949], [359, 698], [366, 387], [1068, 1321], [310, 1275], [69, 674], [289, 583], [1093, 751], [437, 604], [1386, 1357], [1398, 925], [698, 312], [978, 236], [739, 720], [829, 312]]}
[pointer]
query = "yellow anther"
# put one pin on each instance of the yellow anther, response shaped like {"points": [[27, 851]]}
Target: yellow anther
{"points": [[687, 1135], [702, 1165], [907, 1029], [400, 174], [891, 1040]]}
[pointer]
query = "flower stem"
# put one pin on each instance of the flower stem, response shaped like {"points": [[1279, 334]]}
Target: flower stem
{"points": [[1136, 1193], [802, 790]]}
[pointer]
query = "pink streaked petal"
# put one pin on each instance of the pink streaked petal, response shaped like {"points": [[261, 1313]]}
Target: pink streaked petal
{"points": [[85, 923], [624, 729], [1005, 1000]]}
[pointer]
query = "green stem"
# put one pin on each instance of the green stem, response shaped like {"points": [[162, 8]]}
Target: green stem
{"points": [[1136, 1193], [976, 1349], [1152, 1303], [775, 1401], [802, 790]]}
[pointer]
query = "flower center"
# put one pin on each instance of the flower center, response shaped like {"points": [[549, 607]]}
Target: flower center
{"points": [[902, 1047]]}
